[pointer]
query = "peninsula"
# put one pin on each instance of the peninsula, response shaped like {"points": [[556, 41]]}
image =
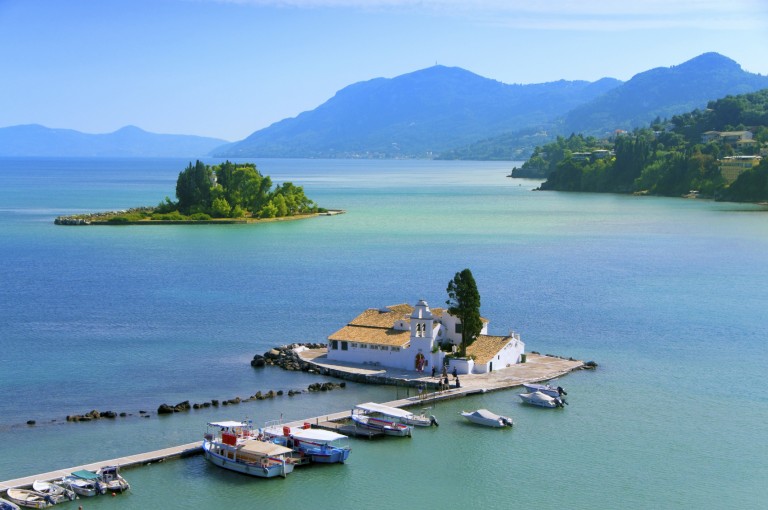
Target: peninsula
{"points": [[225, 193]]}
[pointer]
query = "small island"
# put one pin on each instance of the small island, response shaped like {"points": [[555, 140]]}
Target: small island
{"points": [[225, 193]]}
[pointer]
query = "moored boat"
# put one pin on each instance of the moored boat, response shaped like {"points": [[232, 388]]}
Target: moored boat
{"points": [[111, 479], [316, 445], [547, 389], [7, 505], [232, 445], [421, 419], [381, 418], [29, 498], [55, 493], [487, 418], [85, 483], [540, 399]]}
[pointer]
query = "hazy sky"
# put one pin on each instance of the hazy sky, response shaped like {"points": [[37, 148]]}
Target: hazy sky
{"points": [[229, 68]]}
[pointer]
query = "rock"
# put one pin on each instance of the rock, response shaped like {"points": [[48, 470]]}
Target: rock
{"points": [[258, 361], [165, 409], [31, 422], [215, 403], [109, 414], [182, 406], [123, 415], [590, 365]]}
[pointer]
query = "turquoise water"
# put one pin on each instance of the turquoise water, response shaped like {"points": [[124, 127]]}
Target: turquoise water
{"points": [[667, 295]]}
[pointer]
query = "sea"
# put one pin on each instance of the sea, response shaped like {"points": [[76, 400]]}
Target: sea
{"points": [[669, 296]]}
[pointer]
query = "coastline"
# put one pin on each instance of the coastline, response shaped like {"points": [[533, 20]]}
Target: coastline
{"points": [[81, 220]]}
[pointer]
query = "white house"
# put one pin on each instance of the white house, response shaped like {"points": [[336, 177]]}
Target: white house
{"points": [[408, 337]]}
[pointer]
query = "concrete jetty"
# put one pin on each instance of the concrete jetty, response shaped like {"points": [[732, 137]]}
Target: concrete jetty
{"points": [[537, 368]]}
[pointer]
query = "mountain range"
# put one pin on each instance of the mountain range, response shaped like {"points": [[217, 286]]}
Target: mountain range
{"points": [[437, 112], [129, 141]]}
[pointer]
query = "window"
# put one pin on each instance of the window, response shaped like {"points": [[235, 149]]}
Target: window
{"points": [[396, 349], [344, 346], [334, 344], [458, 327]]}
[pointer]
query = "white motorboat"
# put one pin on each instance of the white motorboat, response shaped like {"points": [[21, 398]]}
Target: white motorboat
{"points": [[84, 483], [7, 505], [421, 419], [55, 493], [547, 389], [538, 398], [111, 479], [28, 498], [316, 445], [381, 418], [233, 446], [487, 418]]}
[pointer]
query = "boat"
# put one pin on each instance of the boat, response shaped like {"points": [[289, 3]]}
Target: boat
{"points": [[7, 505], [381, 418], [316, 445], [421, 419], [233, 446], [84, 483], [29, 498], [540, 399], [487, 418], [547, 389], [111, 480], [55, 492]]}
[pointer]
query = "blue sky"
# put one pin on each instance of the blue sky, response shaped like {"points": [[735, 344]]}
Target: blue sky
{"points": [[228, 68]]}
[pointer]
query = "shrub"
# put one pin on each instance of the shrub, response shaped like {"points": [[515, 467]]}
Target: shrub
{"points": [[200, 217]]}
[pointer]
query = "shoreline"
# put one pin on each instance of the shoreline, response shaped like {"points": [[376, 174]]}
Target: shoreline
{"points": [[84, 219]]}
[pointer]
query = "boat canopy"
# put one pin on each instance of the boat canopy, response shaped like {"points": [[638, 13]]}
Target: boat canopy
{"points": [[485, 413], [263, 448], [318, 435], [372, 407], [85, 474]]}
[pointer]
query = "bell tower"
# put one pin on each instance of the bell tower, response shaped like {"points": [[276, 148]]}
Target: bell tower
{"points": [[422, 321]]}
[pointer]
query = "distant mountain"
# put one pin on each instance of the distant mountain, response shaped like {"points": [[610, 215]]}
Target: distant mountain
{"points": [[663, 92], [416, 114], [130, 141]]}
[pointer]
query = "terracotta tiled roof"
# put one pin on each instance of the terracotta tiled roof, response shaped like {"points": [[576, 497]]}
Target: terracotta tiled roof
{"points": [[485, 347], [377, 336], [382, 318]]}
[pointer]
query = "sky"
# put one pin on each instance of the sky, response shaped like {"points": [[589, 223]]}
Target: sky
{"points": [[227, 68]]}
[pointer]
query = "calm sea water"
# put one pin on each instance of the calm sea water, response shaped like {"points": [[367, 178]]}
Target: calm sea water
{"points": [[669, 296]]}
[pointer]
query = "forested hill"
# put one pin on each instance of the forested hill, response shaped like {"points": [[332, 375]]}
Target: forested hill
{"points": [[660, 92], [715, 152], [663, 92], [417, 114]]}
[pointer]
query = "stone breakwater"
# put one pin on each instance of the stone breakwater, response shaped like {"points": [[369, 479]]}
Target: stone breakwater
{"points": [[287, 358]]}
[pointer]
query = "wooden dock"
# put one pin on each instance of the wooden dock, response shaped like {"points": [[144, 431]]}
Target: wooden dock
{"points": [[538, 368]]}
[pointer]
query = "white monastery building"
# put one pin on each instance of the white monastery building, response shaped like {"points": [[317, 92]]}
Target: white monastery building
{"points": [[409, 337]]}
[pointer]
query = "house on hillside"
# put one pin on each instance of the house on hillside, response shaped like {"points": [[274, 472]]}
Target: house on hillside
{"points": [[733, 166], [409, 338]]}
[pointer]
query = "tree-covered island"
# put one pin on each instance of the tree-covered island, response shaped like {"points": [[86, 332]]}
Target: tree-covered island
{"points": [[225, 193], [718, 152]]}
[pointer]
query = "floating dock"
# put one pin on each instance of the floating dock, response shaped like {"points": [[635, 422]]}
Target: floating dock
{"points": [[537, 368]]}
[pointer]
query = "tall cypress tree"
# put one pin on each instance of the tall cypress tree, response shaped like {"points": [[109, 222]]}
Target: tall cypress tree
{"points": [[464, 303]]}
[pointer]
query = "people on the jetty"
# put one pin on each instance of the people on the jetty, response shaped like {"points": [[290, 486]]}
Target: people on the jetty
{"points": [[458, 384], [433, 371], [445, 382], [445, 371], [455, 373]]}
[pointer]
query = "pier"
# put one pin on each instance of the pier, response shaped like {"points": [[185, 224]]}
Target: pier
{"points": [[537, 368]]}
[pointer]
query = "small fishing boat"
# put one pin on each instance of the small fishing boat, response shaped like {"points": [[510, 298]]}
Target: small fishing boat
{"points": [[233, 446], [540, 399], [547, 389], [381, 418], [315, 445], [487, 418], [421, 419], [28, 498], [111, 480], [55, 492], [84, 483], [7, 505]]}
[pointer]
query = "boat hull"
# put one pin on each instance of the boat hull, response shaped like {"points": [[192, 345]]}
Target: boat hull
{"points": [[28, 499], [385, 427], [541, 400], [546, 389], [257, 469]]}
